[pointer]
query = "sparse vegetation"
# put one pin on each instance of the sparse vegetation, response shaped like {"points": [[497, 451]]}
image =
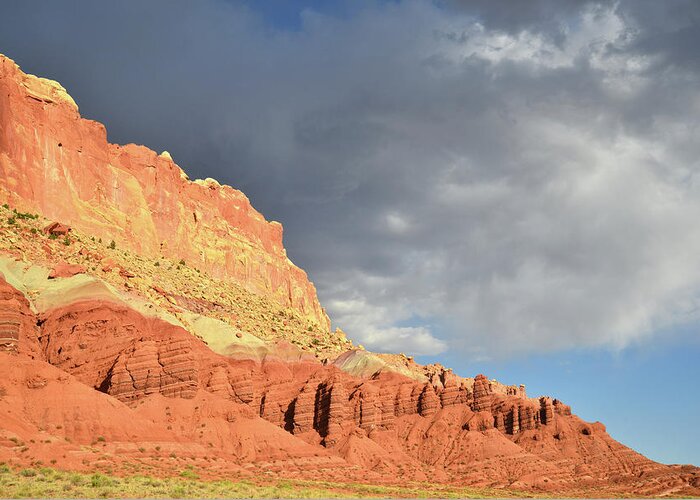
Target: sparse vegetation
{"points": [[24, 215], [46, 482], [241, 309], [98, 480], [189, 474]]}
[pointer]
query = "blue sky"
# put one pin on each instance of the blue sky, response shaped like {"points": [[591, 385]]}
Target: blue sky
{"points": [[507, 188]]}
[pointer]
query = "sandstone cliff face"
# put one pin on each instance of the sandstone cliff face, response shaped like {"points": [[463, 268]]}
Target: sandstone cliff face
{"points": [[54, 162], [117, 350], [90, 364], [18, 331]]}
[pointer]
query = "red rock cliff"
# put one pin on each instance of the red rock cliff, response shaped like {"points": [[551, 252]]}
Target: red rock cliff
{"points": [[54, 162]]}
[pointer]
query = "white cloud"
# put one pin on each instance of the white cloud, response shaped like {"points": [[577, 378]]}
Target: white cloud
{"points": [[561, 227], [396, 223], [373, 324]]}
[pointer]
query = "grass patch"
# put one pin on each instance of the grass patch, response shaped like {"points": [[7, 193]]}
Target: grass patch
{"points": [[52, 483]]}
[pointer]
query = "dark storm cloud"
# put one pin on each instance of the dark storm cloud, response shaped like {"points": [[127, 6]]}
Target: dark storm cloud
{"points": [[505, 179]]}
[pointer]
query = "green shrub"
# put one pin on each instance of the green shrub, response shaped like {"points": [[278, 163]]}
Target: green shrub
{"points": [[53, 236], [24, 215], [98, 480], [112, 245], [189, 474], [75, 479]]}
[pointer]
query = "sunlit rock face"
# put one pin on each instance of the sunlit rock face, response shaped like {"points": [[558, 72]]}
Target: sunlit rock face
{"points": [[56, 163]]}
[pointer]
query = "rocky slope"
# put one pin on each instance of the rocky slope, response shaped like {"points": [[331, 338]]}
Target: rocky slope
{"points": [[192, 340], [56, 163]]}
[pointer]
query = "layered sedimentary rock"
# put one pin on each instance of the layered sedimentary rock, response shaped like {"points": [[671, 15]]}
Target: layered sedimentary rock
{"points": [[149, 367], [546, 410], [117, 350], [482, 393], [54, 162], [94, 364], [429, 402], [475, 430], [367, 406], [303, 408], [12, 306], [18, 332], [455, 390]]}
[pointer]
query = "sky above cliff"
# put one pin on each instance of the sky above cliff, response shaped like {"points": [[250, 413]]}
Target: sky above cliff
{"points": [[510, 187]]}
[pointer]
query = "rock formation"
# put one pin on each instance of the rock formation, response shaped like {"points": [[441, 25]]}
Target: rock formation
{"points": [[482, 393], [18, 332], [58, 164], [117, 357]]}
